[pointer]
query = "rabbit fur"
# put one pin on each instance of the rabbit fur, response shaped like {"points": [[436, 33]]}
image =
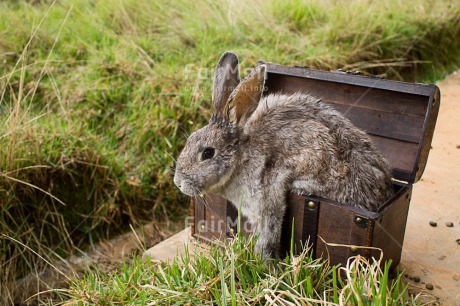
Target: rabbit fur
{"points": [[257, 148]]}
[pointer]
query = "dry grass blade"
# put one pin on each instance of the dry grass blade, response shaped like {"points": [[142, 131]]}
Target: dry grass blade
{"points": [[32, 186], [41, 257]]}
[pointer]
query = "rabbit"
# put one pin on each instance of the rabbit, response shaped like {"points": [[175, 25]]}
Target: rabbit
{"points": [[257, 148]]}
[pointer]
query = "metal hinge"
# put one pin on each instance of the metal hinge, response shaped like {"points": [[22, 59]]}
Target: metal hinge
{"points": [[356, 72], [341, 71]]}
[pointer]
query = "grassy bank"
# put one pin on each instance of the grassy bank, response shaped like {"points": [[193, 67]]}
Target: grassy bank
{"points": [[97, 95]]}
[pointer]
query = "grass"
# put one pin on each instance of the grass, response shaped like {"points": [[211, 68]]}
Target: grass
{"points": [[96, 96], [236, 275]]}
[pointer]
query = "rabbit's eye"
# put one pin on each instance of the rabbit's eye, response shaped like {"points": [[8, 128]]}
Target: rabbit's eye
{"points": [[208, 153]]}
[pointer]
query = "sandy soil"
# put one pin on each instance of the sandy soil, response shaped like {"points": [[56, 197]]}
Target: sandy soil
{"points": [[432, 253]]}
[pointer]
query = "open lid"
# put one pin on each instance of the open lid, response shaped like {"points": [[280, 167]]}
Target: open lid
{"points": [[399, 117]]}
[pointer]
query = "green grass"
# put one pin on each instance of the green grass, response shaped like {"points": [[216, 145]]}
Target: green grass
{"points": [[236, 275], [95, 97]]}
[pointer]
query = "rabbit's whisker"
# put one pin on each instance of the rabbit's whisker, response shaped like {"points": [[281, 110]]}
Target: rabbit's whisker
{"points": [[204, 196], [169, 154], [184, 133]]}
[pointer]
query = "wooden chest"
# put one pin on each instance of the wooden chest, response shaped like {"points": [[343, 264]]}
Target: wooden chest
{"points": [[400, 119]]}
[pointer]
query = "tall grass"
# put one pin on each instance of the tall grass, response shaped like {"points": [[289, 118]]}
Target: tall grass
{"points": [[96, 96], [236, 275]]}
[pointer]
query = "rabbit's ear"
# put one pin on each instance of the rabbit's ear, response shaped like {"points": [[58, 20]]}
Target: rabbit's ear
{"points": [[226, 79], [245, 98]]}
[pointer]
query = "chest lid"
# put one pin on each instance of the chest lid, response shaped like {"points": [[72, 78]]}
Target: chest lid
{"points": [[399, 117]]}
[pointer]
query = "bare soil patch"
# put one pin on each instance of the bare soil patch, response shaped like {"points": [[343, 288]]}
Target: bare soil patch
{"points": [[431, 252]]}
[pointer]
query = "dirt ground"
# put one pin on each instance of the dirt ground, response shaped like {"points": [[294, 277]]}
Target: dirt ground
{"points": [[432, 253]]}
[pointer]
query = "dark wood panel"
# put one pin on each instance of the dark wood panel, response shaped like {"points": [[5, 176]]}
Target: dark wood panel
{"points": [[430, 122], [349, 94], [216, 208], [337, 225], [389, 230], [199, 214], [401, 155], [356, 80], [383, 123], [294, 214], [192, 216], [212, 225]]}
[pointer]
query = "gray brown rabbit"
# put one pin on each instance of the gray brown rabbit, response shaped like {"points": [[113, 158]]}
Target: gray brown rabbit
{"points": [[257, 148]]}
